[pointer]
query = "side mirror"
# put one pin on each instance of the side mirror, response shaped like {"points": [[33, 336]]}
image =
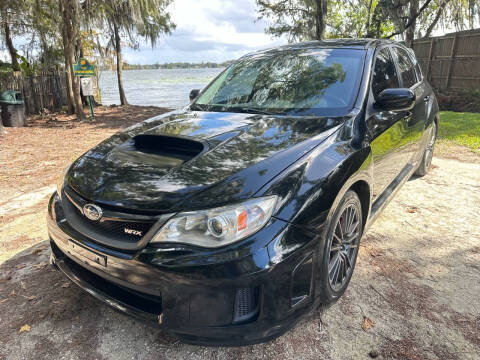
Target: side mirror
{"points": [[396, 99], [193, 94]]}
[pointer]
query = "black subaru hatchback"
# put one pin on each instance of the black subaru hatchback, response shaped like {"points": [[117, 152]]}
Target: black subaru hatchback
{"points": [[226, 221]]}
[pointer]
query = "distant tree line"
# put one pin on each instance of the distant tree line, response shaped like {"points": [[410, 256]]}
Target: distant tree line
{"points": [[173, 65]]}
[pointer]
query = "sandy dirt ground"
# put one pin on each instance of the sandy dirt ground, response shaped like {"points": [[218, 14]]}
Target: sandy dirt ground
{"points": [[417, 279]]}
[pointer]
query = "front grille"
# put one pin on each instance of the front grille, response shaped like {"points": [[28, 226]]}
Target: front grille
{"points": [[110, 226], [121, 230]]}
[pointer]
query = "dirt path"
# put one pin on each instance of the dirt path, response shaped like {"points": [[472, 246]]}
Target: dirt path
{"points": [[417, 278], [32, 159]]}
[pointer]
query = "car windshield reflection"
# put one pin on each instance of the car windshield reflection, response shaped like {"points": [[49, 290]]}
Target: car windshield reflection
{"points": [[290, 82]]}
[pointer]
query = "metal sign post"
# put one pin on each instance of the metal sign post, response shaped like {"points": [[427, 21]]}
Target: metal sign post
{"points": [[86, 71], [88, 90]]}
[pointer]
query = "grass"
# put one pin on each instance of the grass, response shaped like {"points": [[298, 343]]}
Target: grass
{"points": [[460, 128]]}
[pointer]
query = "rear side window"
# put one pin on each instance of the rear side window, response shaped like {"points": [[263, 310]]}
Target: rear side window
{"points": [[418, 69], [407, 69], [384, 74]]}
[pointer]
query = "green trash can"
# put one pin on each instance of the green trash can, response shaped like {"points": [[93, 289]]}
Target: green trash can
{"points": [[13, 108]]}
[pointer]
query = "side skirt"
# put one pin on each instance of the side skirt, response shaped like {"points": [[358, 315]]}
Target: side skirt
{"points": [[382, 201]]}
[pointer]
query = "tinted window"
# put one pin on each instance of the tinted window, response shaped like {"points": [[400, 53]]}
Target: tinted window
{"points": [[407, 69], [418, 69], [384, 74], [295, 81]]}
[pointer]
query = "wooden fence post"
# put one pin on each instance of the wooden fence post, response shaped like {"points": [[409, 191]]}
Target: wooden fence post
{"points": [[429, 63], [452, 60], [45, 89]]}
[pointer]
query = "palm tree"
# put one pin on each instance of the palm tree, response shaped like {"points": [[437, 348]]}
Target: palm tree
{"points": [[129, 18]]}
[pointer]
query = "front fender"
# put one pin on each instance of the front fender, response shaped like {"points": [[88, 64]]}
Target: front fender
{"points": [[313, 186]]}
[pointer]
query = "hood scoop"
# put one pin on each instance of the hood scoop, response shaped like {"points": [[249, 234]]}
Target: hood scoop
{"points": [[155, 151]]}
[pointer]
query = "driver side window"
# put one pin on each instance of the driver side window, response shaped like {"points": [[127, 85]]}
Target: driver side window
{"points": [[384, 73]]}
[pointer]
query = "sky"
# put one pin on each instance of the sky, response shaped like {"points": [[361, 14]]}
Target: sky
{"points": [[207, 30]]}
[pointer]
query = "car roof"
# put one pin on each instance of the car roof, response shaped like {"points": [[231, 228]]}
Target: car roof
{"points": [[349, 43]]}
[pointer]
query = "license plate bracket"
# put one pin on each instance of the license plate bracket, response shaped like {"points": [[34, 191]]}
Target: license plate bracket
{"points": [[85, 254]]}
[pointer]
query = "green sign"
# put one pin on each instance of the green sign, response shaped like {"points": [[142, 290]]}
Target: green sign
{"points": [[83, 68]]}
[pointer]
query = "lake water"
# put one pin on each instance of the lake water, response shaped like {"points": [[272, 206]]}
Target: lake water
{"points": [[162, 87]]}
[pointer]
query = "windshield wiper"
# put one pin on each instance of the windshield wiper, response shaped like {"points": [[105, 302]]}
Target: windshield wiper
{"points": [[250, 110], [198, 107]]}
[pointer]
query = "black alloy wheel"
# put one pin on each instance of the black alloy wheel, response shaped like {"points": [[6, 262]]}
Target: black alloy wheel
{"points": [[428, 154], [341, 247]]}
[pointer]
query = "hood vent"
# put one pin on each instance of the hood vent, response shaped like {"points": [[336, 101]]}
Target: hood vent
{"points": [[154, 152], [181, 148]]}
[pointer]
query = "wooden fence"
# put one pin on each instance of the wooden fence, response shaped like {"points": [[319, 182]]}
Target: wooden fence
{"points": [[46, 89], [451, 61]]}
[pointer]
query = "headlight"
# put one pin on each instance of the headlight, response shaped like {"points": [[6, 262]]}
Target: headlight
{"points": [[220, 226], [61, 180]]}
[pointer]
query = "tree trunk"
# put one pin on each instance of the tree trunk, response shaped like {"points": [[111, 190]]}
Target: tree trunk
{"points": [[9, 42], [374, 25], [118, 50], [68, 65], [73, 29], [369, 16], [410, 32], [69, 10], [320, 13]]}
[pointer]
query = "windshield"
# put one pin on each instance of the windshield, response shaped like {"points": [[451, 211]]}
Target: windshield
{"points": [[296, 82]]}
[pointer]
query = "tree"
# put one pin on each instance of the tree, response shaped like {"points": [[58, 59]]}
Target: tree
{"points": [[69, 9], [430, 18], [354, 19], [404, 14], [129, 18], [411, 17], [462, 14], [299, 20], [46, 33], [13, 15]]}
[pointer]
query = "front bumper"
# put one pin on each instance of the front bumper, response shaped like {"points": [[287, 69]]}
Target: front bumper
{"points": [[195, 294]]}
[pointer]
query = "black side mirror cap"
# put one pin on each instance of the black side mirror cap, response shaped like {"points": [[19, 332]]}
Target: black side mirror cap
{"points": [[399, 99], [194, 93]]}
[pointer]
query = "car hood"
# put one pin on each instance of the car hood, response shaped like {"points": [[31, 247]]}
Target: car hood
{"points": [[211, 159]]}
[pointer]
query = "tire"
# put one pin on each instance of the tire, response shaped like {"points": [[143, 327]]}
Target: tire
{"points": [[340, 249], [426, 162]]}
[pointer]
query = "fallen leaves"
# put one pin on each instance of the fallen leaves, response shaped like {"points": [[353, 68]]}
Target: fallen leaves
{"points": [[412, 209], [30, 298], [39, 250], [367, 323], [41, 265], [65, 285], [24, 328]]}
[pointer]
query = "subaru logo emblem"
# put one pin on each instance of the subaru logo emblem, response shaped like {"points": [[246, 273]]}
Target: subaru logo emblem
{"points": [[92, 212]]}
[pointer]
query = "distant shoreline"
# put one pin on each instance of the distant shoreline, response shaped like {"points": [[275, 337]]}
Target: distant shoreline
{"points": [[179, 68], [174, 65]]}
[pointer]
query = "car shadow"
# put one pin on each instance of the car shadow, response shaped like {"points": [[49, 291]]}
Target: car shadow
{"points": [[33, 293]]}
